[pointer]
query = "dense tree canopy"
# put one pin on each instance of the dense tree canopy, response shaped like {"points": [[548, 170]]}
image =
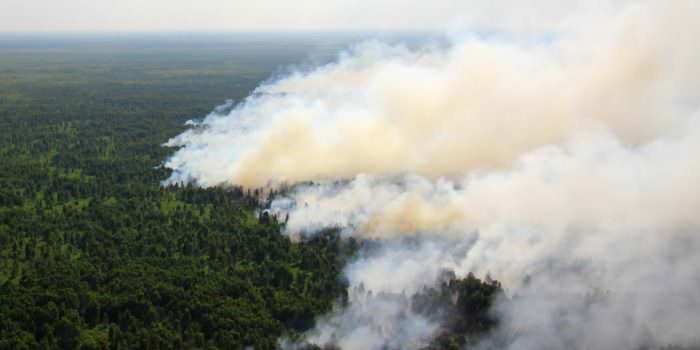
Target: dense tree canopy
{"points": [[94, 253]]}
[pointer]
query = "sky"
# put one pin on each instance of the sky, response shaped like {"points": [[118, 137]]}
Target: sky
{"points": [[281, 15]]}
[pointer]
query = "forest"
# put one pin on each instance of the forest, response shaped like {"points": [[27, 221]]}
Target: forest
{"points": [[96, 254]]}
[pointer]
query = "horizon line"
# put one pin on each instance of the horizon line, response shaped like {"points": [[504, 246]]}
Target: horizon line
{"points": [[236, 31]]}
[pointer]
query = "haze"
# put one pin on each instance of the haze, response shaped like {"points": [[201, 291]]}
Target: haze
{"points": [[275, 15]]}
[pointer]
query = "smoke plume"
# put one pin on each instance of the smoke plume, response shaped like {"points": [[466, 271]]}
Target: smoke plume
{"points": [[563, 164]]}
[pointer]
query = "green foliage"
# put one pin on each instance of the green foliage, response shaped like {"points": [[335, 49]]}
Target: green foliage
{"points": [[94, 253], [463, 308]]}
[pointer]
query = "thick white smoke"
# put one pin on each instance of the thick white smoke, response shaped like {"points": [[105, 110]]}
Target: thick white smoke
{"points": [[569, 159], [590, 215]]}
